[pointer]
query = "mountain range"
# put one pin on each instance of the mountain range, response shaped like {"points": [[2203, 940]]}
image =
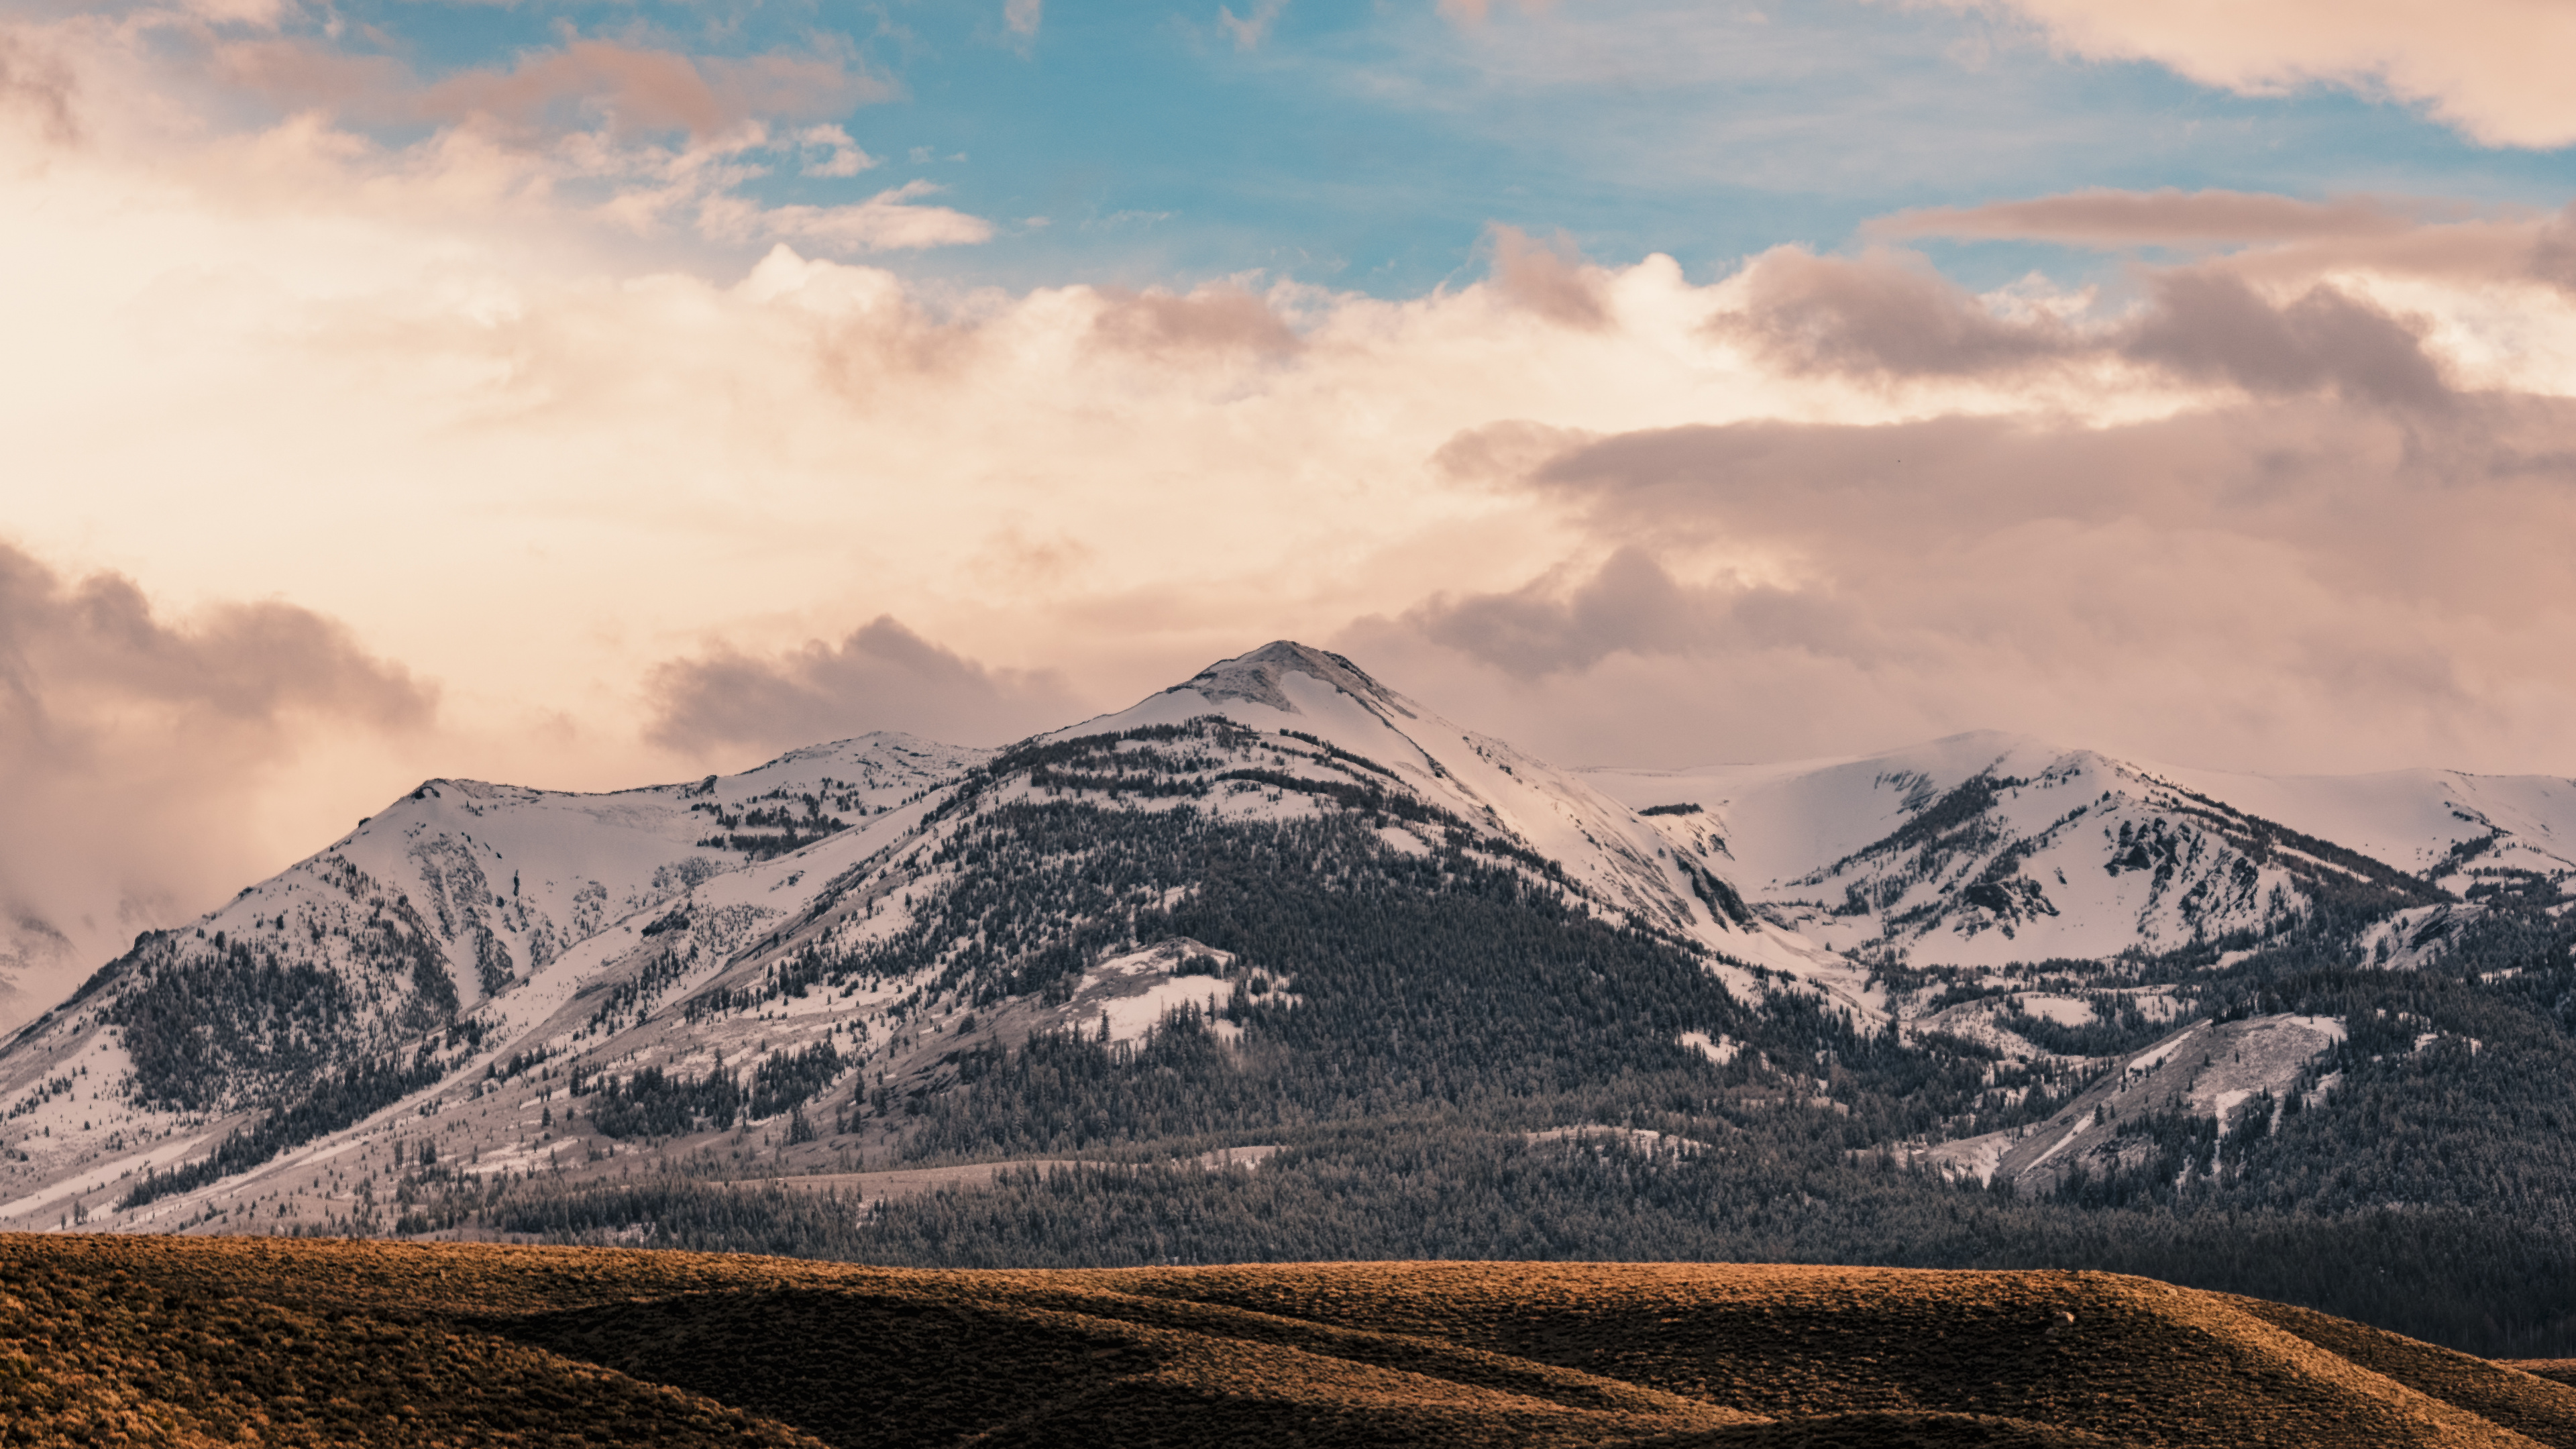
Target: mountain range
{"points": [[1280, 914]]}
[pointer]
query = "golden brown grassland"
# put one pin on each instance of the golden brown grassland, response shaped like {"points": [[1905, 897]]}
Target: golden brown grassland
{"points": [[205, 1341]]}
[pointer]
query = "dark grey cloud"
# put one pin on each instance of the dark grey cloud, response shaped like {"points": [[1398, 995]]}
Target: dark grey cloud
{"points": [[132, 747], [1884, 312], [883, 676], [1888, 314], [2213, 327]]}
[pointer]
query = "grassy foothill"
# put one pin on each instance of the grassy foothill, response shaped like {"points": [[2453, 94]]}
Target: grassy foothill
{"points": [[243, 1341]]}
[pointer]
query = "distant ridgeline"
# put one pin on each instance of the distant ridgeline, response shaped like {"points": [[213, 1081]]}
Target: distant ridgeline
{"points": [[1981, 1003]]}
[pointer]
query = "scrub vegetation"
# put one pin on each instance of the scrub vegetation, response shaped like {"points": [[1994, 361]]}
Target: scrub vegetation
{"points": [[227, 1340]]}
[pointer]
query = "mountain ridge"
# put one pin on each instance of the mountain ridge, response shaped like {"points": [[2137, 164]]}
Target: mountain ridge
{"points": [[1281, 903]]}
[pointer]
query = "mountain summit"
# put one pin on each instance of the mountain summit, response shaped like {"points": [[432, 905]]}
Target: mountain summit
{"points": [[1280, 908]]}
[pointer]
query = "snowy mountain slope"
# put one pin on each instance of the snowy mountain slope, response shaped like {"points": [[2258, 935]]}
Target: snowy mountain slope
{"points": [[1666, 872], [2468, 833], [1278, 862], [2177, 1107], [478, 950], [372, 966], [1982, 850]]}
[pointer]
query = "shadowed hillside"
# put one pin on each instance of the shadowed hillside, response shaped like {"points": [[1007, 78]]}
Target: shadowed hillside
{"points": [[224, 1341]]}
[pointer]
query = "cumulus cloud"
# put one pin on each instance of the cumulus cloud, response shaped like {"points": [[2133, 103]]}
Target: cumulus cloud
{"points": [[133, 748], [1883, 311], [1217, 316], [1548, 278], [1889, 313], [882, 676], [2494, 69], [2210, 325]]}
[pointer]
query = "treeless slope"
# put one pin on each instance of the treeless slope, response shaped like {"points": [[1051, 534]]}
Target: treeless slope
{"points": [[2503, 1394], [2556, 1370], [948, 1357], [2124, 1357], [115, 1358], [192, 1341]]}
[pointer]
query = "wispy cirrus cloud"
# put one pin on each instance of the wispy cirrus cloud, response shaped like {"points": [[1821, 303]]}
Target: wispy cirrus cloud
{"points": [[2170, 217], [581, 85]]}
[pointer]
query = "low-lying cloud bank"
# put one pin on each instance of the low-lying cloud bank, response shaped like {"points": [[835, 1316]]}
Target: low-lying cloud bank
{"points": [[883, 677], [134, 750]]}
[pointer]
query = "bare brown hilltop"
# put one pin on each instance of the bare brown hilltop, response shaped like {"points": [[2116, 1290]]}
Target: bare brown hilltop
{"points": [[120, 1340]]}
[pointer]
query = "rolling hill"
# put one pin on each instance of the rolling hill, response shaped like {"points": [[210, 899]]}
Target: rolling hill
{"points": [[208, 1341]]}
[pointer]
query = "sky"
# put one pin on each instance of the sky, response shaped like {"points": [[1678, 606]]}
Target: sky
{"points": [[585, 395]]}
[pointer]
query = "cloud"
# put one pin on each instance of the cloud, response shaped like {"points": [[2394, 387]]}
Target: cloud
{"points": [[882, 676], [1884, 311], [581, 85], [584, 82], [1476, 12], [2271, 583], [133, 749], [842, 156], [1215, 317], [1889, 314], [2102, 217], [1253, 26], [891, 220], [2210, 325], [2495, 69], [1546, 627], [1021, 17], [431, 386], [37, 86], [1548, 278]]}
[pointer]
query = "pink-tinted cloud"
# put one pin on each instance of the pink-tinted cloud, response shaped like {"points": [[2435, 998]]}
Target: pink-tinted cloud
{"points": [[891, 220], [2104, 217], [584, 84], [1215, 317], [37, 87], [882, 676], [2213, 327], [1883, 312], [1548, 278], [2495, 69], [131, 746], [2277, 583], [1890, 314]]}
